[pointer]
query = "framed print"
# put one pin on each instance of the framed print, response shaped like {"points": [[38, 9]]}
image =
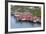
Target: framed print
{"points": [[24, 16]]}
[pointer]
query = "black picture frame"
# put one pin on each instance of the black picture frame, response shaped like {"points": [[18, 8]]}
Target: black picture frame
{"points": [[6, 16]]}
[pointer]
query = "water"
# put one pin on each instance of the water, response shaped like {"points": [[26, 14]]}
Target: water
{"points": [[16, 24]]}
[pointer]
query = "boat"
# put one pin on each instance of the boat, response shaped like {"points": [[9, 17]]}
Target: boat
{"points": [[27, 17]]}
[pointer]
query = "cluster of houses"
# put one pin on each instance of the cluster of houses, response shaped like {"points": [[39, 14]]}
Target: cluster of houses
{"points": [[27, 16]]}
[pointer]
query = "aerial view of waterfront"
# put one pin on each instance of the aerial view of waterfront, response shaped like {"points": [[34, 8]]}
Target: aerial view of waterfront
{"points": [[25, 16]]}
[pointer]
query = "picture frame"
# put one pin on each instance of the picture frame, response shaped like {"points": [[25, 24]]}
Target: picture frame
{"points": [[22, 3]]}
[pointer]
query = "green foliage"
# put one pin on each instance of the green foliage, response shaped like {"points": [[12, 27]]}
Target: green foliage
{"points": [[36, 11], [20, 8]]}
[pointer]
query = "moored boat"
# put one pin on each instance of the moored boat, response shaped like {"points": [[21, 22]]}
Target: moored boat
{"points": [[27, 17]]}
